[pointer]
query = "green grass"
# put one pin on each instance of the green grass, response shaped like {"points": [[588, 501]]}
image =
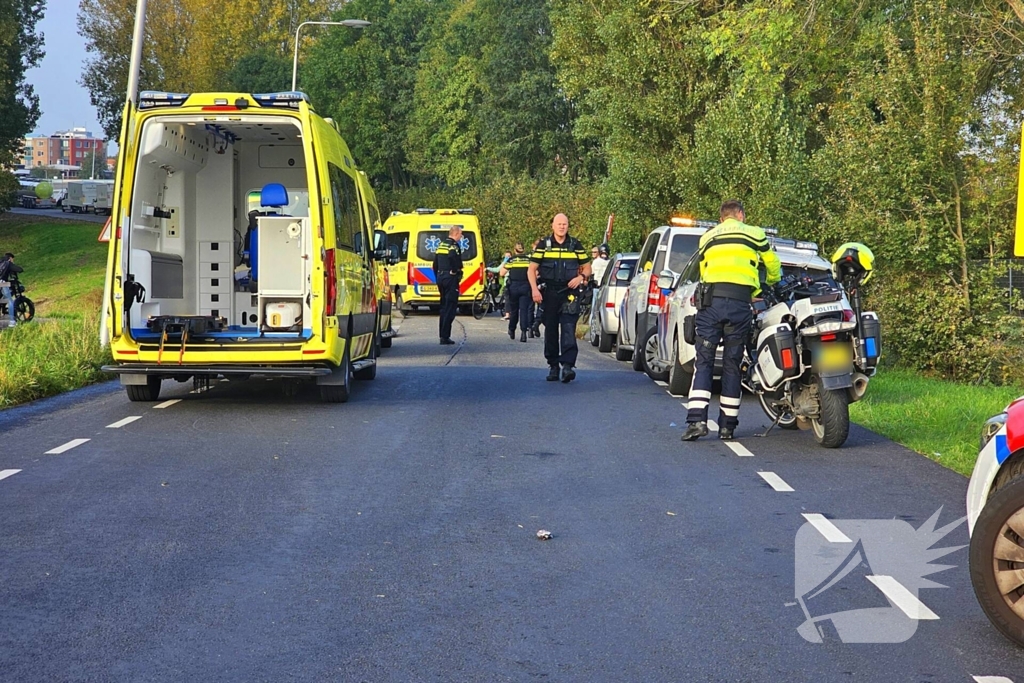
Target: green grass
{"points": [[63, 275], [937, 418], [64, 264]]}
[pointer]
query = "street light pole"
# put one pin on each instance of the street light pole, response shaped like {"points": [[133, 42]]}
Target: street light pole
{"points": [[349, 23]]}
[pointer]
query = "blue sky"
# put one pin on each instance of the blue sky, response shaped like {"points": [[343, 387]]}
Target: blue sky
{"points": [[63, 101]]}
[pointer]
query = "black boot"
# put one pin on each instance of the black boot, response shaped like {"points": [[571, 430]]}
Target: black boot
{"points": [[522, 337], [725, 434], [512, 335], [695, 430], [553, 373], [568, 374]]}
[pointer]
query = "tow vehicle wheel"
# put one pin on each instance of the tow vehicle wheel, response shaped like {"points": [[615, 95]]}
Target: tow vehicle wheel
{"points": [[997, 559], [833, 426], [788, 420], [654, 368], [339, 393], [680, 377], [605, 341], [621, 353], [150, 391]]}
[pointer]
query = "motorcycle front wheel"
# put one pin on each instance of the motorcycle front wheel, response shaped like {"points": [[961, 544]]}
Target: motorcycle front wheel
{"points": [[788, 420], [24, 309], [833, 425]]}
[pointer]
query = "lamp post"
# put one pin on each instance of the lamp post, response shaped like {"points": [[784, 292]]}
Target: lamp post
{"points": [[350, 23]]}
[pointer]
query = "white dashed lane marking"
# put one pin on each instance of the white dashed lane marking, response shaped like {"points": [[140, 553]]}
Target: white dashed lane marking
{"points": [[826, 528], [125, 421], [8, 473], [712, 425], [167, 404], [898, 595], [776, 482], [660, 383], [739, 449], [991, 679], [74, 443]]}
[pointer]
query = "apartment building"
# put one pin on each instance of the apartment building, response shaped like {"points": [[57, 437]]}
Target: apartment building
{"points": [[63, 148]]}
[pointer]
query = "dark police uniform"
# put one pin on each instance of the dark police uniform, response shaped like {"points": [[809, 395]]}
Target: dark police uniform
{"points": [[556, 265], [448, 273], [729, 256], [518, 295]]}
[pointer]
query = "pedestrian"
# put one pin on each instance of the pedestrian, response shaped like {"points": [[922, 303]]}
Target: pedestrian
{"points": [[519, 303], [448, 274], [561, 265], [600, 263], [7, 268], [501, 297], [729, 256]]}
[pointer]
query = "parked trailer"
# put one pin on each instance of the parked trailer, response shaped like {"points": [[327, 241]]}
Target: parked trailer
{"points": [[84, 196]]}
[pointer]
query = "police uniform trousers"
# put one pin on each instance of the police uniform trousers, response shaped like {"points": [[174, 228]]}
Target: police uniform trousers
{"points": [[726, 322], [448, 286], [559, 328], [519, 304]]}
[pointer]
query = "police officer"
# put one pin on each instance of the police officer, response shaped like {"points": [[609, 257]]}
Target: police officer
{"points": [[729, 255], [448, 274], [519, 303], [562, 265]]}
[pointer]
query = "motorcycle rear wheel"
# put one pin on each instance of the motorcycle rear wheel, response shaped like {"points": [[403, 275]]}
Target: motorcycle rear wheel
{"points": [[832, 428]]}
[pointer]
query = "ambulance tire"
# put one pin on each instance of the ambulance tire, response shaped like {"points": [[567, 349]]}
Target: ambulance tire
{"points": [[150, 391], [339, 393], [992, 531], [370, 372]]}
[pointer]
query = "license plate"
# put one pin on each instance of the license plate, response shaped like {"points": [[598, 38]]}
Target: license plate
{"points": [[835, 357], [426, 289]]}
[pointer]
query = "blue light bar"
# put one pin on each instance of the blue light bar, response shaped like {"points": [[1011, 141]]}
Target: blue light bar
{"points": [[281, 99], [150, 99]]}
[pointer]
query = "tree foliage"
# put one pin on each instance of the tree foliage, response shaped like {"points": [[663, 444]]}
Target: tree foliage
{"points": [[21, 48]]}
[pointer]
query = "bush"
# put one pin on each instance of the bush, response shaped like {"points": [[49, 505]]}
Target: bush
{"points": [[43, 359]]}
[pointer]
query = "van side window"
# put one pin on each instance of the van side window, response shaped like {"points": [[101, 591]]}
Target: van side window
{"points": [[400, 240], [348, 227], [646, 259]]}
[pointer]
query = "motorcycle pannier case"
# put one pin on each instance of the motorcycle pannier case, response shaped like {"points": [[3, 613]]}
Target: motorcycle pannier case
{"points": [[777, 358], [872, 340]]}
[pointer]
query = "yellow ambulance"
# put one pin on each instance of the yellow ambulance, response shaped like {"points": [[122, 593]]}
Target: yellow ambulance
{"points": [[416, 236], [242, 244]]}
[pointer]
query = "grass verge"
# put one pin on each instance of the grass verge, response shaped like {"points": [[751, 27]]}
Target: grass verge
{"points": [[937, 418], [47, 358], [64, 264]]}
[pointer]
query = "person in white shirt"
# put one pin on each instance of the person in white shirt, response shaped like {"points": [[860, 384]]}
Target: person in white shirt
{"points": [[600, 263]]}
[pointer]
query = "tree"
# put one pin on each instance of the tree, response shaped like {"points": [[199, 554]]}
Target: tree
{"points": [[21, 48], [260, 72], [89, 170]]}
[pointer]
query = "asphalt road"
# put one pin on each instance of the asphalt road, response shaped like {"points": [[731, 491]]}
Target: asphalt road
{"points": [[57, 213], [247, 534]]}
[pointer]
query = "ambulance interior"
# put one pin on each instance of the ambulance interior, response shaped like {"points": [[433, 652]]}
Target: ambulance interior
{"points": [[213, 201]]}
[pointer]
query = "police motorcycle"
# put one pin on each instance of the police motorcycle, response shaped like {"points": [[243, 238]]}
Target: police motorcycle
{"points": [[24, 308], [813, 349]]}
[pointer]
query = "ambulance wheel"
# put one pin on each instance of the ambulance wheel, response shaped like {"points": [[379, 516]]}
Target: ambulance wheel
{"points": [[833, 426], [150, 391], [370, 372], [621, 353], [997, 559], [788, 420], [339, 393]]}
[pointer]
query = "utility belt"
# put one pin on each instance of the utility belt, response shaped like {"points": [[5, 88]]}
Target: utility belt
{"points": [[707, 291], [455, 273]]}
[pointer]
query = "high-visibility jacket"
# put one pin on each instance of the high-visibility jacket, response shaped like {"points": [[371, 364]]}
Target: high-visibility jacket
{"points": [[730, 252], [516, 268], [559, 262], [448, 258]]}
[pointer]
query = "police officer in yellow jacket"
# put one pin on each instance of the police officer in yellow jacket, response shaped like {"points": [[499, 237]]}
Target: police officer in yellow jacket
{"points": [[448, 274], [519, 303], [729, 256]]}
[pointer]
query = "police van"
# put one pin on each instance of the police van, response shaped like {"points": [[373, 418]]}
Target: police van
{"points": [[416, 237], [241, 244]]}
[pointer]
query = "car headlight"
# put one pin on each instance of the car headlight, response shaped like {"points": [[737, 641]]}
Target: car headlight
{"points": [[991, 428]]}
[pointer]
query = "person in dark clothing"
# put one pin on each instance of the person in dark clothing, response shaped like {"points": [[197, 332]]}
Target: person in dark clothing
{"points": [[7, 268], [562, 265], [448, 273], [519, 302]]}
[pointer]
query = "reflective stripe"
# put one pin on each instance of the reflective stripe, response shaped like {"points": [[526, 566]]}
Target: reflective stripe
{"points": [[730, 412], [700, 393], [696, 404], [729, 401]]}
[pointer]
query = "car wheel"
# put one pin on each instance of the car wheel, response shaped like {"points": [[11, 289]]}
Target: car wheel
{"points": [[621, 353], [605, 342], [680, 377], [997, 560], [649, 357]]}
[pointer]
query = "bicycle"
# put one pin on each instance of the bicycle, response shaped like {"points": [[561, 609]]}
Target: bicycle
{"points": [[491, 299], [24, 309]]}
